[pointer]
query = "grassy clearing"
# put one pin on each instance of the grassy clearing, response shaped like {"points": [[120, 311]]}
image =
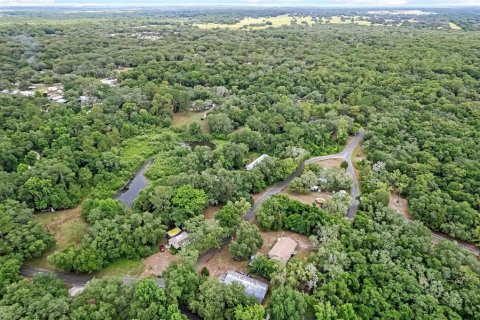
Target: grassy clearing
{"points": [[220, 143], [454, 26], [308, 198], [123, 267], [187, 117], [259, 23], [346, 20], [67, 228]]}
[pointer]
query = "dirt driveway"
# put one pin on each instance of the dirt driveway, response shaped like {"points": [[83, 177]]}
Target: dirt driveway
{"points": [[223, 261], [157, 263]]}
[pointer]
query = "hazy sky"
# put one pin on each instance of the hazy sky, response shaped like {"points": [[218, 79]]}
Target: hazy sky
{"points": [[292, 3]]}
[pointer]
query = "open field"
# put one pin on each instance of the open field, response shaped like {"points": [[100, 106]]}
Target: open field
{"points": [[346, 20], [66, 226], [259, 23], [308, 198], [454, 26], [122, 267], [186, 117], [282, 20]]}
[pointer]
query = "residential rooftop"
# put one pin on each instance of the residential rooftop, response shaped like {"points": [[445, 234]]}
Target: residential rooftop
{"points": [[252, 287]]}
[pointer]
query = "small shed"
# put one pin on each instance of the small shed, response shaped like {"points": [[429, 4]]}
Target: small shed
{"points": [[175, 231], [283, 249], [179, 240], [252, 287], [255, 162]]}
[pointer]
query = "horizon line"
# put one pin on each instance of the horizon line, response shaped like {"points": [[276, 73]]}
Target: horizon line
{"points": [[243, 5], [259, 6]]}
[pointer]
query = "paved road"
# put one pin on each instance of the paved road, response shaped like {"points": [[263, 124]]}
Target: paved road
{"points": [[441, 237], [345, 154], [465, 245], [70, 278]]}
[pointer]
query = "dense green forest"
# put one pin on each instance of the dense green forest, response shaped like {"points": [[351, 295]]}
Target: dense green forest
{"points": [[87, 98]]}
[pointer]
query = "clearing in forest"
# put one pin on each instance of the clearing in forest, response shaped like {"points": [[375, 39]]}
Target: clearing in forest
{"points": [[362, 21], [400, 205], [122, 267], [66, 226], [187, 117], [212, 211], [259, 23], [454, 26], [308, 198], [157, 263], [223, 260]]}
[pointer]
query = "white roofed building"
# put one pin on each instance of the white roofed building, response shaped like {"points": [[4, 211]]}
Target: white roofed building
{"points": [[255, 162]]}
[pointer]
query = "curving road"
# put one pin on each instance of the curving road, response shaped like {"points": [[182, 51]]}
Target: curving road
{"points": [[438, 236], [345, 154]]}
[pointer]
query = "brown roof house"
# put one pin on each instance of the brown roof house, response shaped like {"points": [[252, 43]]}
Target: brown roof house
{"points": [[283, 249]]}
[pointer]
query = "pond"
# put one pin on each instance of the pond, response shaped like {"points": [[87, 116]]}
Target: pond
{"points": [[139, 182], [193, 144]]}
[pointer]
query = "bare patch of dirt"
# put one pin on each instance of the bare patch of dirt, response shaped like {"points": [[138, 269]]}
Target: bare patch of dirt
{"points": [[330, 163], [157, 263], [270, 238], [308, 198], [212, 211], [400, 205], [222, 262]]}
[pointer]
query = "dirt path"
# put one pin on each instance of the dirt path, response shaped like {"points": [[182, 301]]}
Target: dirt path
{"points": [[401, 206]]}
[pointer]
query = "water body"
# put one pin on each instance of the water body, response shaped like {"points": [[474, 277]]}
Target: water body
{"points": [[139, 182], [192, 145]]}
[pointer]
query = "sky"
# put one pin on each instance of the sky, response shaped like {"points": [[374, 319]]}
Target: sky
{"points": [[259, 3]]}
